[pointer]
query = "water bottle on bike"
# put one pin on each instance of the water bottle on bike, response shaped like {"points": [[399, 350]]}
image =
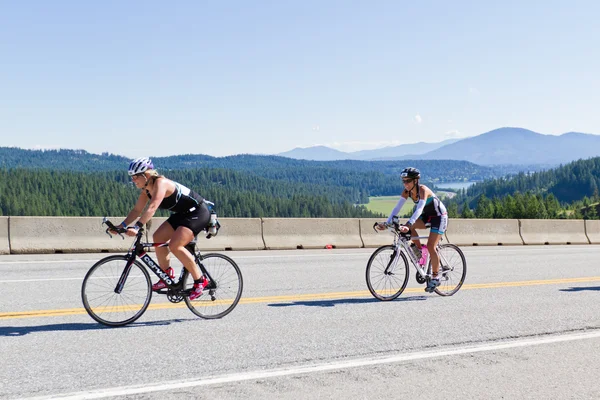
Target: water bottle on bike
{"points": [[416, 251]]}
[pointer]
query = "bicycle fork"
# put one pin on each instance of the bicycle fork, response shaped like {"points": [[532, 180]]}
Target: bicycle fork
{"points": [[124, 275], [389, 269]]}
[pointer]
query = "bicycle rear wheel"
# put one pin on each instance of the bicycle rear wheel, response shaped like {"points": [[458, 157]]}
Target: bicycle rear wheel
{"points": [[222, 293], [110, 308], [453, 269], [387, 273]]}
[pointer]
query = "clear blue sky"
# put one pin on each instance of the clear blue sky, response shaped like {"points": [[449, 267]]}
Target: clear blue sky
{"points": [[160, 78]]}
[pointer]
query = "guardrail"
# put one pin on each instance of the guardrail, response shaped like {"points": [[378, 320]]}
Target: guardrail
{"points": [[31, 235]]}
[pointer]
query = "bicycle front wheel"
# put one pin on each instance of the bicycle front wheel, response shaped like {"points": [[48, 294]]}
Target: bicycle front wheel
{"points": [[106, 306], [387, 273], [453, 269], [222, 293]]}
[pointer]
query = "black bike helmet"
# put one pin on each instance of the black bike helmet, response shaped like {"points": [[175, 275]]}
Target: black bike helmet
{"points": [[411, 173]]}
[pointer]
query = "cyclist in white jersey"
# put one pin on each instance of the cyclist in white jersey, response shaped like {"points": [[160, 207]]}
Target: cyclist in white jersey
{"points": [[429, 211]]}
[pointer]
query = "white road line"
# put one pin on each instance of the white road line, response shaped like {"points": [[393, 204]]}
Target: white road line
{"points": [[316, 368]]}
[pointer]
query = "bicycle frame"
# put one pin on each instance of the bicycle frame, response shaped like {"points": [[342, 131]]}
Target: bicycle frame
{"points": [[402, 241], [137, 251]]}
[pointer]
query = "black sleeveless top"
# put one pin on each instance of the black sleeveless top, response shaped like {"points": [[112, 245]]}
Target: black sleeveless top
{"points": [[182, 200]]}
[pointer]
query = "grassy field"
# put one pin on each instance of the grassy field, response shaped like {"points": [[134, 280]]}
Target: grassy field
{"points": [[385, 204]]}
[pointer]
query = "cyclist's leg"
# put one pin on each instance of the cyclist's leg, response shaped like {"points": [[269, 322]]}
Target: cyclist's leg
{"points": [[188, 226], [419, 224], [438, 227], [181, 237], [432, 241], [162, 235]]}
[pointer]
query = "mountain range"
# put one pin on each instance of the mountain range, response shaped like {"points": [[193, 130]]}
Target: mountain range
{"points": [[501, 146], [324, 153], [389, 153]]}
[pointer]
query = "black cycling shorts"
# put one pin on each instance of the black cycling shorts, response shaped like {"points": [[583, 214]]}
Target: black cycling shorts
{"points": [[437, 223], [196, 220]]}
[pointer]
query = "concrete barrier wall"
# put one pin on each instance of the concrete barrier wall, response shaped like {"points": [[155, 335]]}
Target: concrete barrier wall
{"points": [[592, 230], [62, 235], [22, 235], [553, 231], [369, 237], [235, 234], [4, 242], [311, 233], [483, 232]]}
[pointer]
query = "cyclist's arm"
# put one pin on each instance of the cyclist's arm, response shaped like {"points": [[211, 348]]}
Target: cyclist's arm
{"points": [[137, 209], [397, 209], [160, 187]]}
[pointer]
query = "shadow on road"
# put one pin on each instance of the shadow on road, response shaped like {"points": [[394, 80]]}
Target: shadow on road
{"points": [[92, 326], [333, 303], [581, 289]]}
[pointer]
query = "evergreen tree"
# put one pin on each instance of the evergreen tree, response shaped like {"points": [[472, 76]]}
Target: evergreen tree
{"points": [[466, 212], [510, 207], [552, 206], [575, 212], [532, 206], [519, 210], [499, 209], [484, 208], [453, 211], [590, 212]]}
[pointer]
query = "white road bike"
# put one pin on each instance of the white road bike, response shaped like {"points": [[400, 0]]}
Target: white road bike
{"points": [[388, 268]]}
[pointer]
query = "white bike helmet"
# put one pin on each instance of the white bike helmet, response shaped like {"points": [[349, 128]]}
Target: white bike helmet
{"points": [[140, 165]]}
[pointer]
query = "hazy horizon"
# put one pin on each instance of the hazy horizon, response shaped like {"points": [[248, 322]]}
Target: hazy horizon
{"points": [[267, 154]]}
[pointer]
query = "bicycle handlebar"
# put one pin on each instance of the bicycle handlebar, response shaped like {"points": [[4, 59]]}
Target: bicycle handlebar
{"points": [[118, 229], [394, 226]]}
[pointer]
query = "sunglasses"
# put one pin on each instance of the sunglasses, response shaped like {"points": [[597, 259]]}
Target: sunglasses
{"points": [[407, 180]]}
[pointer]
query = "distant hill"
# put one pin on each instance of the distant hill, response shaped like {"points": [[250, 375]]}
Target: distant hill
{"points": [[80, 183], [504, 146], [63, 159], [568, 183], [324, 153], [519, 146], [351, 181], [261, 165], [359, 179], [316, 153]]}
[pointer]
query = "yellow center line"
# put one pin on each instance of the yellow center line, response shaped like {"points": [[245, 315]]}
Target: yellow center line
{"points": [[300, 297]]}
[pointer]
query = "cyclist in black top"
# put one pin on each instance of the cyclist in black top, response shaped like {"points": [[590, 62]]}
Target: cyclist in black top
{"points": [[190, 216]]}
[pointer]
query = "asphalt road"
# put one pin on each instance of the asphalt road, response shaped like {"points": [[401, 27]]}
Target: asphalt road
{"points": [[526, 324]]}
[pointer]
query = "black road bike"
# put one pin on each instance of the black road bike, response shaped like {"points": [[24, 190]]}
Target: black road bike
{"points": [[117, 289]]}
